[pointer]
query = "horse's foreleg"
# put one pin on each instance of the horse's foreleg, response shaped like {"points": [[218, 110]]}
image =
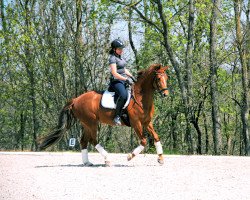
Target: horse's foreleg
{"points": [[157, 142], [139, 130], [136, 151]]}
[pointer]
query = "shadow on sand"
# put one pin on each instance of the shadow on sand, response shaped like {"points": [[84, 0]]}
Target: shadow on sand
{"points": [[81, 165]]}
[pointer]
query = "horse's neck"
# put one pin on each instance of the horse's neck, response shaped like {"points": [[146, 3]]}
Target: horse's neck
{"points": [[144, 90]]}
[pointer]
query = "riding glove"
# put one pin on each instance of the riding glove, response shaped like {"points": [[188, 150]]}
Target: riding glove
{"points": [[133, 78], [129, 81]]}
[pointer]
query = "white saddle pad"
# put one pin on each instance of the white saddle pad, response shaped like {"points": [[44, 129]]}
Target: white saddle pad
{"points": [[108, 100]]}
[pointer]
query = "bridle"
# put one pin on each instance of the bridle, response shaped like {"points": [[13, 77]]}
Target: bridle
{"points": [[156, 82]]}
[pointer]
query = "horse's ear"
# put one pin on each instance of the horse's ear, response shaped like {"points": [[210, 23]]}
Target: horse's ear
{"points": [[139, 73], [157, 67], [165, 68]]}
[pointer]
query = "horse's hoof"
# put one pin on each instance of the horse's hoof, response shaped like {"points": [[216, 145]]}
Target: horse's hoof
{"points": [[88, 164], [107, 164], [160, 161], [130, 156]]}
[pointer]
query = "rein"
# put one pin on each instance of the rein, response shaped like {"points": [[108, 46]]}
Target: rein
{"points": [[133, 95]]}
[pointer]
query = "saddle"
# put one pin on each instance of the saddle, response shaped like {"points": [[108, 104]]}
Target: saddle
{"points": [[109, 98], [108, 101]]}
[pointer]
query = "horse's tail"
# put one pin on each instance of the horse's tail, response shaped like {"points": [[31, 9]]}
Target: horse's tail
{"points": [[66, 120]]}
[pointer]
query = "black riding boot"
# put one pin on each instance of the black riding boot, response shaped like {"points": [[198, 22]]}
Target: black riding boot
{"points": [[119, 105]]}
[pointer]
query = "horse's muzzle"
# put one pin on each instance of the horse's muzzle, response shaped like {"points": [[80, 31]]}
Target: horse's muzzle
{"points": [[164, 92]]}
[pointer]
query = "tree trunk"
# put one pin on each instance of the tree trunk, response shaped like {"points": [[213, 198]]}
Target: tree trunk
{"points": [[248, 43], [195, 122], [189, 53], [131, 138], [206, 133], [2, 15], [131, 39], [198, 130], [236, 133], [23, 119], [189, 88], [109, 136], [173, 131], [79, 74], [244, 77], [188, 60], [213, 79], [32, 92], [29, 65]]}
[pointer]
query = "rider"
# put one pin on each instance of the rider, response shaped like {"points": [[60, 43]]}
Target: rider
{"points": [[119, 76]]}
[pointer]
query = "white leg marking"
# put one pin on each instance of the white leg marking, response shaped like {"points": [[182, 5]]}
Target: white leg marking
{"points": [[102, 151], [85, 158], [158, 147], [138, 150]]}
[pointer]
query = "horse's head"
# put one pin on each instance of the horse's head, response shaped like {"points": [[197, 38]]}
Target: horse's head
{"points": [[160, 80]]}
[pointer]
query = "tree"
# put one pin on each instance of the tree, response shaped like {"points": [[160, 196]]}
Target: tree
{"points": [[213, 78], [238, 4]]}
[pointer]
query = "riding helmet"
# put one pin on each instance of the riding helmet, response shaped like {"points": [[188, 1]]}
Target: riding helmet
{"points": [[117, 44]]}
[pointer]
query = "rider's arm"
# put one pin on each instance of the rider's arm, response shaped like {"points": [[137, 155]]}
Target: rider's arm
{"points": [[113, 69]]}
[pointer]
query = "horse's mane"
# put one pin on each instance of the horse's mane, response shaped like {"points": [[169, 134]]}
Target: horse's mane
{"points": [[143, 72]]}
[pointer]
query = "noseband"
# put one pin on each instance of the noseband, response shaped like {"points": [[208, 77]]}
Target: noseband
{"points": [[157, 84]]}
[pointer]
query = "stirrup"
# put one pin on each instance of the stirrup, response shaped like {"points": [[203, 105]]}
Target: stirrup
{"points": [[117, 120]]}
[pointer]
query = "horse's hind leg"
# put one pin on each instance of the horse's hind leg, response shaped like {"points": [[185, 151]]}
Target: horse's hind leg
{"points": [[93, 140], [84, 146]]}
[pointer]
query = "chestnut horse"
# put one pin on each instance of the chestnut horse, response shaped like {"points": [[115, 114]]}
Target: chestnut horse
{"points": [[87, 109]]}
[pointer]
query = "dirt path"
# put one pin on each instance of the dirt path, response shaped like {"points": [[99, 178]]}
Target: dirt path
{"points": [[60, 176]]}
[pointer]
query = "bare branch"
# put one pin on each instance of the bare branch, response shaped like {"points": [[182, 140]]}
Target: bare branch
{"points": [[133, 6], [236, 101]]}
